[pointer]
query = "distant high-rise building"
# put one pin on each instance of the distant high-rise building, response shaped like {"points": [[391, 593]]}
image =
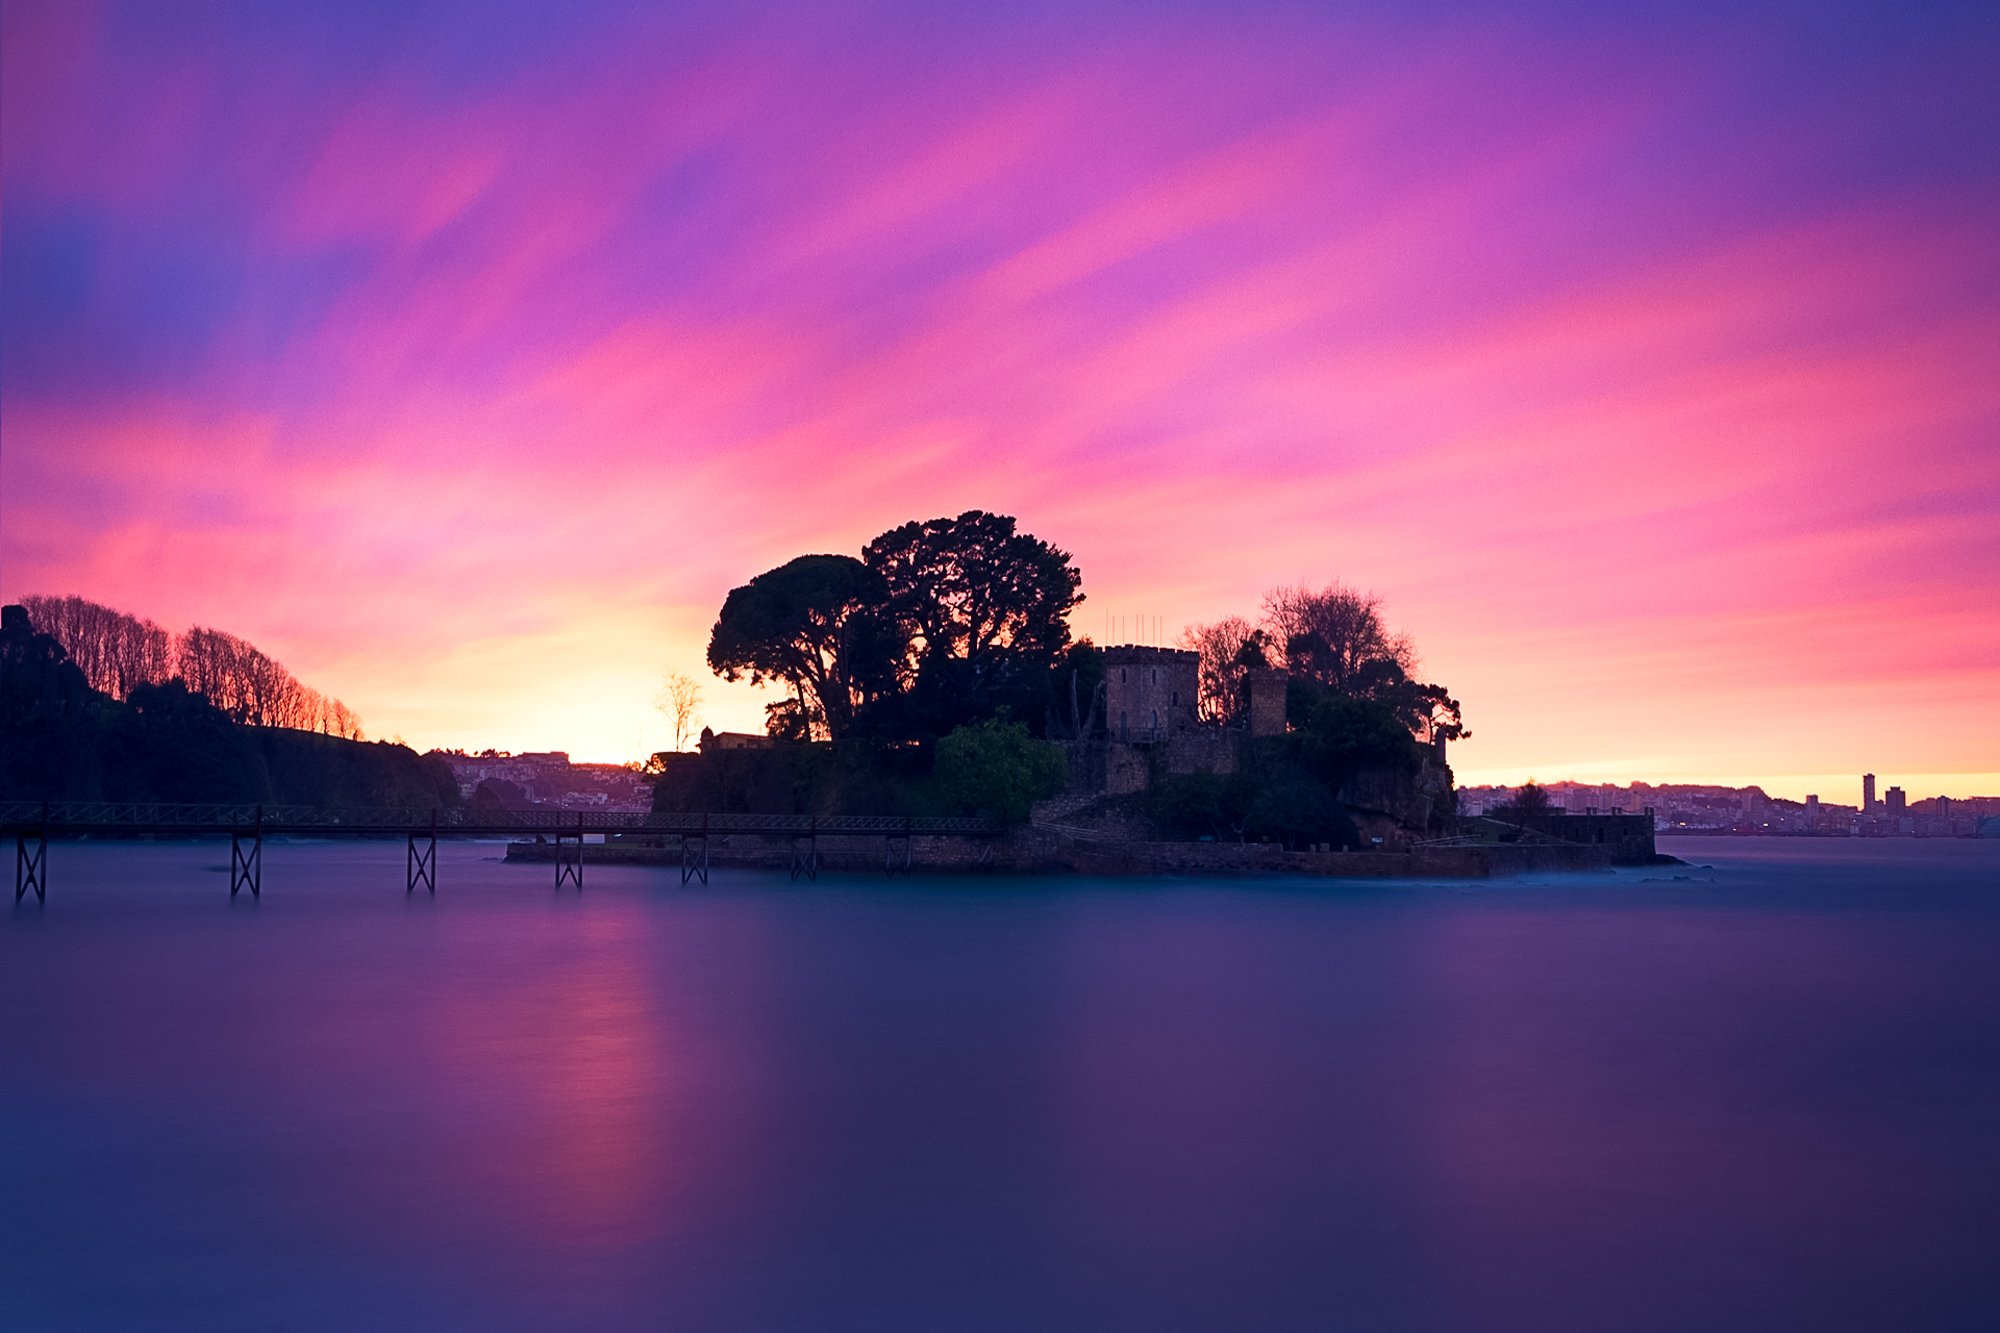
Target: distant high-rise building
{"points": [[1812, 802], [1867, 793], [1896, 801]]}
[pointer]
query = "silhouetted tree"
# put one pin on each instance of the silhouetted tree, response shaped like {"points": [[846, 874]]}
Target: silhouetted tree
{"points": [[1331, 635], [341, 721], [1427, 710], [1530, 800], [816, 624], [1227, 650], [680, 695], [789, 720], [253, 688], [1079, 693], [983, 611], [1330, 640], [1339, 737], [115, 651]]}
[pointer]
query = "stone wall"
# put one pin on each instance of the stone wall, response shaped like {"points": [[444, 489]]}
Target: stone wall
{"points": [[1049, 851], [836, 851], [1628, 839], [1112, 857], [1217, 750], [1119, 768], [1127, 768]]}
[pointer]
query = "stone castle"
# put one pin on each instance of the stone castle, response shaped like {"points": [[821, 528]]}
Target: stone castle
{"points": [[1152, 726]]}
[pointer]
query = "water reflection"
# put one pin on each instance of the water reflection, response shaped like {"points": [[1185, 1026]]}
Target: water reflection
{"points": [[1766, 1102]]}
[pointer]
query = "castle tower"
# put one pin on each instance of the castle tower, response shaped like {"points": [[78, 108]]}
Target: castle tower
{"points": [[1149, 693], [1266, 686]]}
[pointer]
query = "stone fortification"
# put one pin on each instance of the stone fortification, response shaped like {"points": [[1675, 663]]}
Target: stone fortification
{"points": [[1265, 687], [1627, 839], [1047, 851], [1149, 693]]}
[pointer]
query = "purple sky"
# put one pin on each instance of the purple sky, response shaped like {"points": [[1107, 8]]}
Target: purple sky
{"points": [[463, 356]]}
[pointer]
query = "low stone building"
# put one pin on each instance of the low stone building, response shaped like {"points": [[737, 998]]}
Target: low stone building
{"points": [[712, 742]]}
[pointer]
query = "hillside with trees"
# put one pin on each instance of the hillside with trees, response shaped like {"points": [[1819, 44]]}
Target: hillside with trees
{"points": [[117, 653], [62, 737]]}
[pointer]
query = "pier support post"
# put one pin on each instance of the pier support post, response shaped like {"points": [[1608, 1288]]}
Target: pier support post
{"points": [[31, 861], [570, 871], [421, 863], [246, 869], [805, 852], [898, 851], [694, 854]]}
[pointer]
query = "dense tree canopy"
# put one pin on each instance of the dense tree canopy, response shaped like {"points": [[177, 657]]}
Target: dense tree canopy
{"points": [[983, 611], [1276, 800], [1427, 710], [1336, 737], [997, 768], [941, 623], [976, 588], [175, 745], [815, 624]]}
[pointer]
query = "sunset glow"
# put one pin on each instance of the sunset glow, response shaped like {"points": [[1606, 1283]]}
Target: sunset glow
{"points": [[465, 363]]}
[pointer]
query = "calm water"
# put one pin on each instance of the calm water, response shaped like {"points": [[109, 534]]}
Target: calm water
{"points": [[1767, 1097]]}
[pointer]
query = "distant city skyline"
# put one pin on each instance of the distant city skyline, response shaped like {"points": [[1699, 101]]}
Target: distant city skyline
{"points": [[465, 359], [1833, 788], [1753, 809]]}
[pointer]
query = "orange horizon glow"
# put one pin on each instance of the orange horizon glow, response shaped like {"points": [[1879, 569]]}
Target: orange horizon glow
{"points": [[1645, 371]]}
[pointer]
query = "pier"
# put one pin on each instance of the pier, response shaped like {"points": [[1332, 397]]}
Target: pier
{"points": [[34, 824]]}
